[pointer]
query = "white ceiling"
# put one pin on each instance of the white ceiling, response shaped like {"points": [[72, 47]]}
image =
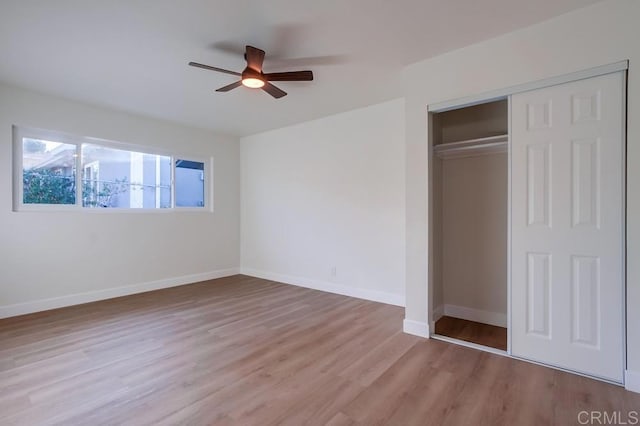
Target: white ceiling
{"points": [[132, 55]]}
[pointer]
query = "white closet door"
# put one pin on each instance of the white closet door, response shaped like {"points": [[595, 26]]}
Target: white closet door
{"points": [[567, 226]]}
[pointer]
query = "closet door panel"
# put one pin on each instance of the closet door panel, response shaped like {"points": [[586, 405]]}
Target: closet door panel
{"points": [[585, 179], [567, 226], [538, 286], [538, 185]]}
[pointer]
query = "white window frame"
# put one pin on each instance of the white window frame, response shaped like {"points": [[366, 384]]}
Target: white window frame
{"points": [[21, 132], [94, 166]]}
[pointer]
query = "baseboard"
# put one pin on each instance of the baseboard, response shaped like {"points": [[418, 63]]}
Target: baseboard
{"points": [[360, 293], [486, 317], [632, 381], [109, 293], [416, 328]]}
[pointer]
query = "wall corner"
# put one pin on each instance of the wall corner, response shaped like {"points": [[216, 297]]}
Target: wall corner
{"points": [[416, 328]]}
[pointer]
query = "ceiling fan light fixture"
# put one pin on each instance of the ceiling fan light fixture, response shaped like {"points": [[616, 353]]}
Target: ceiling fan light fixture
{"points": [[252, 82]]}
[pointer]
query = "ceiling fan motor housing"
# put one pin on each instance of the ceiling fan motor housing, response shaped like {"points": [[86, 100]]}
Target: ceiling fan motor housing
{"points": [[251, 73]]}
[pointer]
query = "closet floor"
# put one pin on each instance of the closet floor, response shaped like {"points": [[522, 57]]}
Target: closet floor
{"points": [[475, 332]]}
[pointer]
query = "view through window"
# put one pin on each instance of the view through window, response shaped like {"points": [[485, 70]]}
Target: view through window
{"points": [[189, 183], [124, 179], [48, 172]]}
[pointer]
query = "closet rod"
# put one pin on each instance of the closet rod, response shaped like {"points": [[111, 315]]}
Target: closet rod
{"points": [[471, 147]]}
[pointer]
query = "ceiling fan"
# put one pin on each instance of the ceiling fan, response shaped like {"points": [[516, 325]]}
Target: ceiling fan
{"points": [[254, 78]]}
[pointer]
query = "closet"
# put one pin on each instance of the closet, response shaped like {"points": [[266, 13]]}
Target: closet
{"points": [[526, 221], [470, 183]]}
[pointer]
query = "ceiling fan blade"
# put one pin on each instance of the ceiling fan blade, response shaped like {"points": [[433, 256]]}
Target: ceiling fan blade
{"points": [[254, 57], [230, 86], [210, 68], [290, 76], [273, 90]]}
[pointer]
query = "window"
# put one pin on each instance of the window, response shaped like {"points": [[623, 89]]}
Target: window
{"points": [[189, 183], [118, 178], [48, 172], [110, 176]]}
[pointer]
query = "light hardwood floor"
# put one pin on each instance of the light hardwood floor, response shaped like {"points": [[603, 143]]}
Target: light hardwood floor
{"points": [[476, 332], [246, 351]]}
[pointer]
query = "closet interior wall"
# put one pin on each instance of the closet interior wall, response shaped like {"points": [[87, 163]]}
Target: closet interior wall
{"points": [[470, 217]]}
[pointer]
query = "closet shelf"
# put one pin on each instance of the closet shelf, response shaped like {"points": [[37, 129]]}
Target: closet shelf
{"points": [[472, 147]]}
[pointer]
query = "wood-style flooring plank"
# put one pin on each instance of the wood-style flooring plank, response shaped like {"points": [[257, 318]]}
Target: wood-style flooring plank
{"points": [[475, 332]]}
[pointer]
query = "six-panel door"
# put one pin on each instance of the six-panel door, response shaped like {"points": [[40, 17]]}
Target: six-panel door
{"points": [[567, 250]]}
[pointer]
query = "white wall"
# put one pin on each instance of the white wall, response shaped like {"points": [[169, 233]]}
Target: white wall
{"points": [[604, 33], [328, 193], [50, 259], [474, 238]]}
